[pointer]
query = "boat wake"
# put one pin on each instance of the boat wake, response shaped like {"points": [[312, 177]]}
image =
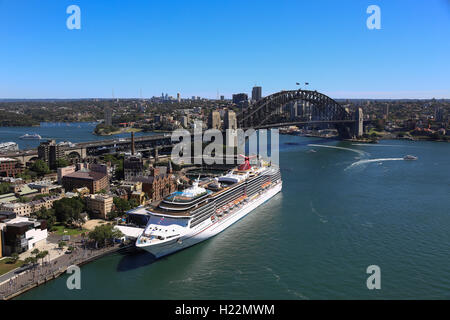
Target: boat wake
{"points": [[321, 217], [339, 148], [361, 162], [374, 145]]}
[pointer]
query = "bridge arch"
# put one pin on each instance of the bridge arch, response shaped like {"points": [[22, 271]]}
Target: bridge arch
{"points": [[325, 109]]}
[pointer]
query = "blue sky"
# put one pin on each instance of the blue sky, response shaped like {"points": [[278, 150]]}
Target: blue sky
{"points": [[200, 47]]}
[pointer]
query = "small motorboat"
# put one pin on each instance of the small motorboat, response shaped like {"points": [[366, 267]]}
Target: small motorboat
{"points": [[409, 157]]}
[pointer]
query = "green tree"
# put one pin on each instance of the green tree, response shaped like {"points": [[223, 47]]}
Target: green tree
{"points": [[61, 244], [121, 205], [40, 167], [104, 233], [41, 255], [30, 260], [14, 257], [47, 215], [62, 162], [68, 210], [4, 187]]}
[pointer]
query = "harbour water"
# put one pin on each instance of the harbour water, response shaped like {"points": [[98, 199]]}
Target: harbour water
{"points": [[340, 211], [59, 131]]}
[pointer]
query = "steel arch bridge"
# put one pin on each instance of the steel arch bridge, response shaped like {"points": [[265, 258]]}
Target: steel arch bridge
{"points": [[325, 110]]}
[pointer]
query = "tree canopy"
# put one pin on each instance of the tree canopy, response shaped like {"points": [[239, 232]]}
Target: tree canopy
{"points": [[68, 210], [101, 234], [40, 167]]}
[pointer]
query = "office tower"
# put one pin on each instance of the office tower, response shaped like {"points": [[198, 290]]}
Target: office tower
{"points": [[214, 120], [230, 124], [222, 98], [293, 110], [256, 93], [439, 114], [184, 121], [239, 98], [178, 97], [108, 116], [230, 121]]}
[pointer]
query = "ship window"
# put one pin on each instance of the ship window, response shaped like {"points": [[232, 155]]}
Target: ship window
{"points": [[165, 221]]}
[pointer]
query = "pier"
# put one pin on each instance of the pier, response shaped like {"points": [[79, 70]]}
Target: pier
{"points": [[39, 274]]}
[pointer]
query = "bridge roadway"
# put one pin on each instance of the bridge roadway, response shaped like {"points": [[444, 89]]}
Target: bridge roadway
{"points": [[84, 149]]}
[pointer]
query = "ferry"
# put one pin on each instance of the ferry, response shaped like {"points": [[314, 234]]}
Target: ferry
{"points": [[409, 157], [185, 218], [34, 136], [8, 146]]}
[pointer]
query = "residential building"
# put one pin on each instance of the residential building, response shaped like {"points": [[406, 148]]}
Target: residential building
{"points": [[99, 204], [214, 120], [22, 234], [28, 208], [157, 186], [50, 152], [133, 167], [230, 124], [94, 181], [10, 167], [256, 93]]}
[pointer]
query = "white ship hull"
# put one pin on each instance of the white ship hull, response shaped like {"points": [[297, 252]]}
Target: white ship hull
{"points": [[208, 229]]}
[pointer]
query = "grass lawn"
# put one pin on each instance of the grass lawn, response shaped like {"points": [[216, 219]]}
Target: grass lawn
{"points": [[59, 230], [6, 267]]}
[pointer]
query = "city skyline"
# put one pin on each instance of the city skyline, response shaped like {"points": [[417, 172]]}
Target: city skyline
{"points": [[146, 49]]}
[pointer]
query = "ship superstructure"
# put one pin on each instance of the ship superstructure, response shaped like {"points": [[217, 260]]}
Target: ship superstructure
{"points": [[187, 217]]}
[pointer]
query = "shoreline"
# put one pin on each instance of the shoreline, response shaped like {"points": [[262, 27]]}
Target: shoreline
{"points": [[48, 276]]}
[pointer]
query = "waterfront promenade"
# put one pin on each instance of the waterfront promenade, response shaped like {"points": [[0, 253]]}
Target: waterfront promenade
{"points": [[34, 276]]}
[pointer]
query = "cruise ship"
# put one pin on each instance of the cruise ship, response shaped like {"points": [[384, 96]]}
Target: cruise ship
{"points": [[185, 218], [33, 136]]}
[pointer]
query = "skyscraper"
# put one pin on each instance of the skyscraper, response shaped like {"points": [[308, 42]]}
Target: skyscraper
{"points": [[239, 98], [256, 93], [178, 97], [230, 121], [108, 116], [230, 124], [214, 120]]}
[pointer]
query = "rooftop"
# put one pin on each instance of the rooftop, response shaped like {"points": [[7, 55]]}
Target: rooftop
{"points": [[87, 175]]}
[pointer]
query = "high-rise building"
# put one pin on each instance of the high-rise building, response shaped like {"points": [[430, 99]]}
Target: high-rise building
{"points": [[108, 116], [230, 121], [133, 167], [359, 130], [178, 97], [230, 124], [239, 98], [293, 110], [184, 121], [222, 98], [214, 120], [256, 93], [439, 114], [50, 152]]}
